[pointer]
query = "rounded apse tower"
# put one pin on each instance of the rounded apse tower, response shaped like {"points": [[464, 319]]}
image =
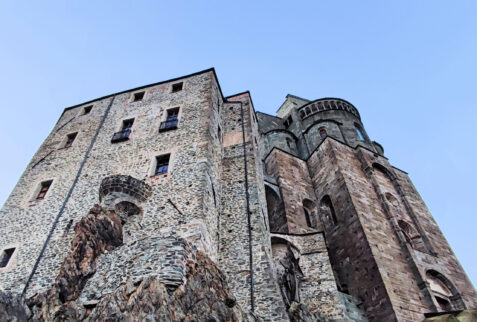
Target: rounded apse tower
{"points": [[301, 125]]}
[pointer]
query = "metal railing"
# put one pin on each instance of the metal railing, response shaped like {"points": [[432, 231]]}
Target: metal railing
{"points": [[168, 125], [121, 136]]}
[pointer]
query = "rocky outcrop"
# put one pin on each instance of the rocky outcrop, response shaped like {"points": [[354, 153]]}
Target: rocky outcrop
{"points": [[98, 232], [153, 279], [204, 297], [12, 308]]}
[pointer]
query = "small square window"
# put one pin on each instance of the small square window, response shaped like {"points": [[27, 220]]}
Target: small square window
{"points": [[6, 256], [45, 185], [87, 109], [138, 96], [288, 122], [162, 164], [70, 138], [177, 87]]}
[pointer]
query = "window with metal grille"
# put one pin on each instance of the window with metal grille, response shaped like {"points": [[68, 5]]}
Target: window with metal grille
{"points": [[138, 96], [171, 121], [70, 138], [177, 87], [162, 164], [123, 135], [45, 185], [6, 256]]}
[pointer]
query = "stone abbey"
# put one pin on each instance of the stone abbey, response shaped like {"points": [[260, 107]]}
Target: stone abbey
{"points": [[173, 202]]}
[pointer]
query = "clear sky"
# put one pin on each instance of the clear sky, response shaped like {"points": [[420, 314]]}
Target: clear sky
{"points": [[408, 66]]}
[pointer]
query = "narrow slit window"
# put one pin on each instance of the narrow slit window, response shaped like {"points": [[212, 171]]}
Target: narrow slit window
{"points": [[162, 164], [45, 186], [177, 87], [138, 96], [70, 138], [6, 256]]}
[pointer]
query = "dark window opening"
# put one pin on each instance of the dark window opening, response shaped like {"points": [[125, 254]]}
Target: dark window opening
{"points": [[87, 109], [288, 122], [45, 185], [70, 139], [171, 121], [219, 133], [329, 210], [162, 164], [6, 256], [444, 305], [177, 87], [123, 135], [138, 96], [323, 133], [215, 199], [289, 143], [307, 217]]}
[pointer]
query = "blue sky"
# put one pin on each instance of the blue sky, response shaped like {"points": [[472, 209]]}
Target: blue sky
{"points": [[408, 66]]}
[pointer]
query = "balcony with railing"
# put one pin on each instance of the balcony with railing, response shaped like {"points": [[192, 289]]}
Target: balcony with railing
{"points": [[168, 125], [121, 136]]}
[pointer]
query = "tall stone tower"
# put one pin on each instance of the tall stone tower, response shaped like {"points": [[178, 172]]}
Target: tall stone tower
{"points": [[301, 212]]}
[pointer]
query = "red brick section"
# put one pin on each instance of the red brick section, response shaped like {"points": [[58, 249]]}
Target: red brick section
{"points": [[295, 186], [367, 250]]}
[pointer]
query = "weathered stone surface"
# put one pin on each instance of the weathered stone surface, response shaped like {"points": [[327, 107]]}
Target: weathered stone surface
{"points": [[98, 232], [460, 316], [13, 308]]}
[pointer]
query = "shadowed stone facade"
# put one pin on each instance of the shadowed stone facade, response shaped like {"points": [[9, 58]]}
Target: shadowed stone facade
{"points": [[301, 213]]}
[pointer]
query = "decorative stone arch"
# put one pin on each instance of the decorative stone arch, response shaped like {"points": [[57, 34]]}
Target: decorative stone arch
{"points": [[446, 296], [120, 188], [124, 195], [321, 121], [378, 166], [277, 219]]}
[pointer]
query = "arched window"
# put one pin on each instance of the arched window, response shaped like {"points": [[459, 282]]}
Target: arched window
{"points": [[323, 133], [277, 218], [360, 132], [328, 210], [309, 210], [444, 292]]}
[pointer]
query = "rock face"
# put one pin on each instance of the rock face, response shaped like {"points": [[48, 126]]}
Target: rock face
{"points": [[12, 308], [98, 232], [162, 279]]}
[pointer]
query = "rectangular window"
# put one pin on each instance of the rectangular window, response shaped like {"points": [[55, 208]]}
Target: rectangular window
{"points": [[138, 96], [162, 164], [6, 256], [288, 122], [172, 118], [45, 185], [70, 138], [123, 135], [87, 109], [177, 87]]}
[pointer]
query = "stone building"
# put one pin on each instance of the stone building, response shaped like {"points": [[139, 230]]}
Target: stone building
{"points": [[301, 212]]}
